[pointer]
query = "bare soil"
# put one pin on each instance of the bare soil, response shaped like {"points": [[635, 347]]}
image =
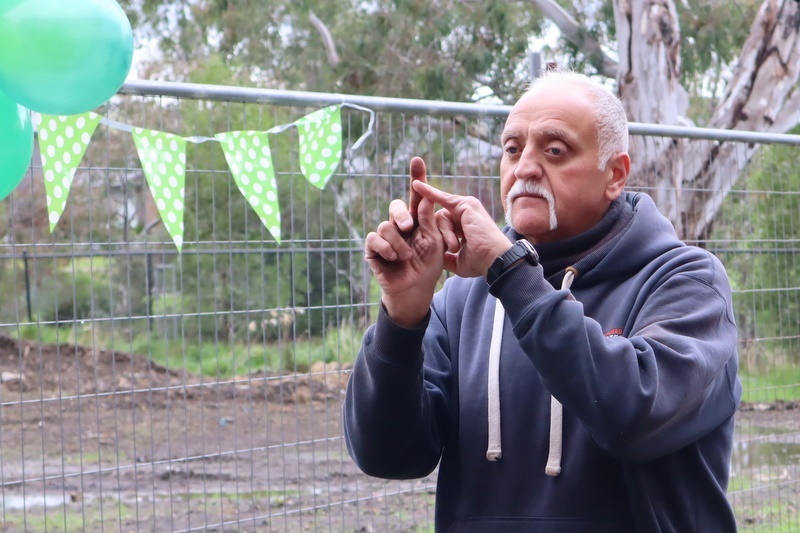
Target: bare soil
{"points": [[92, 440]]}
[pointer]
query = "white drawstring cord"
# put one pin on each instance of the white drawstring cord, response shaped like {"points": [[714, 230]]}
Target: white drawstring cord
{"points": [[553, 467], [494, 450]]}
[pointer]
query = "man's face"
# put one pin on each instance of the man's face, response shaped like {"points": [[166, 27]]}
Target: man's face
{"points": [[549, 180]]}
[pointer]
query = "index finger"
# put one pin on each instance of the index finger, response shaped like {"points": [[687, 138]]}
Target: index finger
{"points": [[418, 172], [437, 196]]}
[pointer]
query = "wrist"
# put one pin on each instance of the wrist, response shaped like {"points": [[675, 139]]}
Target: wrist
{"points": [[403, 313], [520, 251]]}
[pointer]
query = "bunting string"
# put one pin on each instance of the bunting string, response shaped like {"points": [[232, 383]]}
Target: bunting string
{"points": [[63, 141]]}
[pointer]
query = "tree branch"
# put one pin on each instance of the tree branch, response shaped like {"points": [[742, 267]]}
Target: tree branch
{"points": [[327, 40], [577, 35], [763, 95]]}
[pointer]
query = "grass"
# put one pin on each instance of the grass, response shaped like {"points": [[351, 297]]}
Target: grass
{"points": [[768, 518], [220, 358], [71, 517], [778, 384]]}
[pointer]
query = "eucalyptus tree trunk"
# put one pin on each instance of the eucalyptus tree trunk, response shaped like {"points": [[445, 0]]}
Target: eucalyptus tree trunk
{"points": [[763, 95], [690, 179], [648, 81]]}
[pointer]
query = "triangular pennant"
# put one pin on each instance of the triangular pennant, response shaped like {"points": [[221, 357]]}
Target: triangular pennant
{"points": [[250, 161], [163, 158], [320, 144], [62, 144]]}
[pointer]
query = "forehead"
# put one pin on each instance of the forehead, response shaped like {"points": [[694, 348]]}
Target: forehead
{"points": [[561, 110]]}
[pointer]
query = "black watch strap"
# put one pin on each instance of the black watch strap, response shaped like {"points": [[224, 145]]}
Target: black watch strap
{"points": [[521, 249]]}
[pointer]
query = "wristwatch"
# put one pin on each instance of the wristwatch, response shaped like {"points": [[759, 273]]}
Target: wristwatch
{"points": [[522, 249]]}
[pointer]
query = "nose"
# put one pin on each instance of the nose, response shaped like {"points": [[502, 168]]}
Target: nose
{"points": [[528, 166]]}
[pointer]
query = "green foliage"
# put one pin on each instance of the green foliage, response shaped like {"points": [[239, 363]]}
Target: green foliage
{"points": [[343, 343], [390, 47], [66, 296], [762, 225], [713, 33]]}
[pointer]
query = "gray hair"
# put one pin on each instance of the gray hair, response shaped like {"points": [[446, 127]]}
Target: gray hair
{"points": [[610, 119]]}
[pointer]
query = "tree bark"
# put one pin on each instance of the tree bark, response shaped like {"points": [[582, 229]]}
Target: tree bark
{"points": [[762, 96], [690, 179], [648, 81], [577, 35]]}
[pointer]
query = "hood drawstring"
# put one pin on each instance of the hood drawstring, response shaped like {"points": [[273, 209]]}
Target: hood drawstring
{"points": [[494, 450]]}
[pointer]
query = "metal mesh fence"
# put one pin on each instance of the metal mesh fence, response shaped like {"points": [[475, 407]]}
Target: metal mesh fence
{"points": [[145, 389]]}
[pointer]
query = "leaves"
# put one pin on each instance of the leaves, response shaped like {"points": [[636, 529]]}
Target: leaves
{"points": [[408, 48]]}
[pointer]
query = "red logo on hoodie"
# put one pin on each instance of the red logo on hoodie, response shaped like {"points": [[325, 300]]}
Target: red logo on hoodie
{"points": [[616, 332]]}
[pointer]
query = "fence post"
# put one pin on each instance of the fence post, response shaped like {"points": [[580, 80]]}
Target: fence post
{"points": [[149, 281], [27, 285]]}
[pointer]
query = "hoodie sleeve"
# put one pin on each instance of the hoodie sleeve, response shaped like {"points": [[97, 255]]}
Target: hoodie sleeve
{"points": [[395, 409], [666, 383]]}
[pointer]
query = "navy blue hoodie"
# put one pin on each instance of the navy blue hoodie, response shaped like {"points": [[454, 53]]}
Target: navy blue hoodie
{"points": [[641, 353]]}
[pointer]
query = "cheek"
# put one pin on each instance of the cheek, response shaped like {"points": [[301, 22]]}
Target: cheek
{"points": [[506, 182]]}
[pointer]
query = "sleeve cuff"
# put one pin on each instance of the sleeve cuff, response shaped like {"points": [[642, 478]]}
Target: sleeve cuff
{"points": [[396, 344], [521, 285]]}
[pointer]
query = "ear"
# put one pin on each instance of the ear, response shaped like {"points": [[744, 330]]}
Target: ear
{"points": [[620, 167]]}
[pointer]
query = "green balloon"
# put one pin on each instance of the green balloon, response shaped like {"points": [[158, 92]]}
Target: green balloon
{"points": [[16, 144], [63, 57]]}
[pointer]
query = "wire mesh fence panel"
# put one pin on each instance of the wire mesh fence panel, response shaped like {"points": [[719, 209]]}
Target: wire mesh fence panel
{"points": [[176, 363]]}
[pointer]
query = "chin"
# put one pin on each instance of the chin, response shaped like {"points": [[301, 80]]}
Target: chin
{"points": [[531, 228]]}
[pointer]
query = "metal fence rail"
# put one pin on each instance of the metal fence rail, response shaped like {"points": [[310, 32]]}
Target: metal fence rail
{"points": [[147, 389]]}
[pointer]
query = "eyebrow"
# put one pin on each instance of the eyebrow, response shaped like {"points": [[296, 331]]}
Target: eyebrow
{"points": [[556, 133], [550, 133], [508, 134]]}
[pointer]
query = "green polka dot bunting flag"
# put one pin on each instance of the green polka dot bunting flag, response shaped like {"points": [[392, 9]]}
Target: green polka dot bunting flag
{"points": [[250, 161], [62, 144], [63, 141], [320, 144], [163, 158]]}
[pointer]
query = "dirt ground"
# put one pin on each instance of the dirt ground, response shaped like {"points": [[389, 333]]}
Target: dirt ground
{"points": [[99, 441]]}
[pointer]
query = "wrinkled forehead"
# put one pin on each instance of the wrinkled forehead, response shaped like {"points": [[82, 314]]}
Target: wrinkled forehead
{"points": [[553, 107]]}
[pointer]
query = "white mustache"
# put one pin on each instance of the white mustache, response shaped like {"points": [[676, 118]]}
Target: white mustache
{"points": [[526, 187], [531, 188]]}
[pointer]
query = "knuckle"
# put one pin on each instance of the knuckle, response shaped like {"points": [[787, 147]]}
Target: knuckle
{"points": [[397, 205], [472, 202]]}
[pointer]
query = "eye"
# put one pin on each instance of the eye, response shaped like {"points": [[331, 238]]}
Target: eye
{"points": [[511, 148], [556, 149]]}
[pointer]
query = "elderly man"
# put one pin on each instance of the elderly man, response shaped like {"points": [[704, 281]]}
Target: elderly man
{"points": [[579, 372]]}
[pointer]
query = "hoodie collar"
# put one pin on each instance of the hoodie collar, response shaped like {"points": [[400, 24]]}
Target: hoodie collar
{"points": [[556, 256]]}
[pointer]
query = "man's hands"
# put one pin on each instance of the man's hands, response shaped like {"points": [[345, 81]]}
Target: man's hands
{"points": [[406, 254], [473, 239]]}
